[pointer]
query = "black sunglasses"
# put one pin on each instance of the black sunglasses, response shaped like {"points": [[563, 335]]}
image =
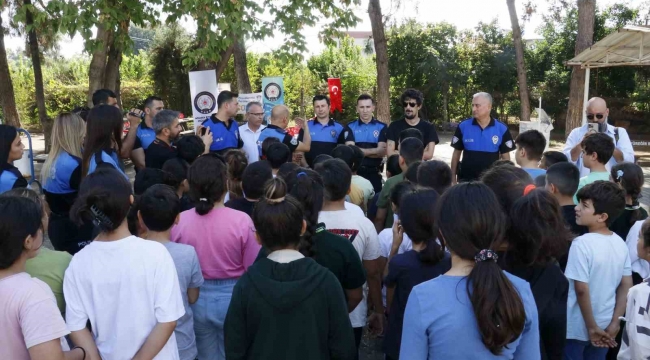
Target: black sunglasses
{"points": [[407, 104], [598, 116]]}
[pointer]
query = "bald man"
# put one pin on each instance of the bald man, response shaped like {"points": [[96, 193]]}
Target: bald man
{"points": [[277, 128], [597, 113]]}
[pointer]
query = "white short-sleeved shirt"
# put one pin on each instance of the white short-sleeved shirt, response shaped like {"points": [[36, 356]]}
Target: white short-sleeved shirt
{"points": [[601, 261], [124, 288], [355, 208], [363, 235], [637, 316], [624, 145], [639, 266], [250, 137]]}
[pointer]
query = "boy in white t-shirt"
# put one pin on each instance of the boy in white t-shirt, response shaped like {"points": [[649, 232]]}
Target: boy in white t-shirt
{"points": [[125, 286], [599, 274], [636, 343], [337, 178]]}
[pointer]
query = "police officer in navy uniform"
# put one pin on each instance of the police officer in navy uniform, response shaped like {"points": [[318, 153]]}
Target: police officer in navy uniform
{"points": [[277, 129], [224, 128], [370, 136], [482, 140], [11, 149], [325, 132], [141, 133]]}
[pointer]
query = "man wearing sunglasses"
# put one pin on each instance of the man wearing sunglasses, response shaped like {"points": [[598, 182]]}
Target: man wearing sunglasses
{"points": [[481, 140], [597, 121], [250, 132], [412, 100]]}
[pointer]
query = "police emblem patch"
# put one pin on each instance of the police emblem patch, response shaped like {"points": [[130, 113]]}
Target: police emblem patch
{"points": [[345, 135], [509, 143], [333, 133], [205, 102], [495, 139], [294, 141], [375, 133], [454, 140]]}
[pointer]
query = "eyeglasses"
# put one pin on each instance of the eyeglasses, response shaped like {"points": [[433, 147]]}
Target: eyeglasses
{"points": [[411, 104], [598, 116], [257, 114]]}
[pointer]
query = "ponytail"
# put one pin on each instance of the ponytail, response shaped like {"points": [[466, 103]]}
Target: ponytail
{"points": [[306, 186], [629, 176], [470, 221], [278, 217], [417, 218], [497, 305], [207, 177]]}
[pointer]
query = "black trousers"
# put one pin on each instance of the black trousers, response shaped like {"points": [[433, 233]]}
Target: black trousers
{"points": [[358, 334], [373, 175], [66, 236]]}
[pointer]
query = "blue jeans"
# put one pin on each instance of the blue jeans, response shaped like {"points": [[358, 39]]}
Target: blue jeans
{"points": [[209, 315], [583, 350]]}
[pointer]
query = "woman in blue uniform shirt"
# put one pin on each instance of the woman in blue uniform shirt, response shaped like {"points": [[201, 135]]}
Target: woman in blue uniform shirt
{"points": [[103, 139], [11, 149], [60, 176]]}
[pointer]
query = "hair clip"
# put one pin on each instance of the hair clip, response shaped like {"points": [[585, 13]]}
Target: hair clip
{"points": [[203, 199], [529, 188], [486, 255], [275, 201], [619, 174], [301, 174], [100, 219]]}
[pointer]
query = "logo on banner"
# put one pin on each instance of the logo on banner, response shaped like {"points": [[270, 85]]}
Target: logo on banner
{"points": [[205, 102], [273, 92], [333, 133], [375, 133], [495, 139]]}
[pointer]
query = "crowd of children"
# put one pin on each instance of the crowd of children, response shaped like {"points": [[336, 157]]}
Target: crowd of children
{"points": [[215, 258]]}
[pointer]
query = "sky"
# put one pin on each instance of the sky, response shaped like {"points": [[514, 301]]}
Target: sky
{"points": [[464, 14]]}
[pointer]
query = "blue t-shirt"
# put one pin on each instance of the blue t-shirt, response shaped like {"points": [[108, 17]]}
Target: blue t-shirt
{"points": [[325, 138], [439, 323], [144, 136], [10, 178], [282, 135], [224, 136], [65, 175], [105, 160], [368, 136], [535, 172], [404, 272]]}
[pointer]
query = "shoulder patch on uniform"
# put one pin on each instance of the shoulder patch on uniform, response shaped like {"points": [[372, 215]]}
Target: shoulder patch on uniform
{"points": [[454, 140], [495, 139], [345, 135], [509, 143]]}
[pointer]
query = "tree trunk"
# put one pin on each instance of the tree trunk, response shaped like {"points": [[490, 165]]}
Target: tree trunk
{"points": [[98, 63], [7, 98], [586, 17], [112, 72], [220, 66], [241, 69], [521, 63], [445, 104], [38, 75], [381, 56]]}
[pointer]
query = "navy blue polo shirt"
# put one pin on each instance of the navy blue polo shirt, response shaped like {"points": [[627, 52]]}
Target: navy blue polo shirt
{"points": [[282, 135], [144, 136], [224, 136], [11, 178], [368, 136], [481, 147], [325, 138], [62, 183]]}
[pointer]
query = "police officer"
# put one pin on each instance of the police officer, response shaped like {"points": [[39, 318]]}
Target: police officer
{"points": [[277, 129], [325, 132], [223, 126], [482, 140], [141, 133], [370, 136]]}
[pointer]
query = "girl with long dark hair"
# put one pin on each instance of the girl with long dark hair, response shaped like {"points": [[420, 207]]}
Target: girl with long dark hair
{"points": [[103, 141], [630, 178], [11, 149], [475, 310]]}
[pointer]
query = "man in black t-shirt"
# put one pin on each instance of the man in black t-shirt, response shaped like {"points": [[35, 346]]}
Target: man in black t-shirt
{"points": [[168, 129], [412, 101]]}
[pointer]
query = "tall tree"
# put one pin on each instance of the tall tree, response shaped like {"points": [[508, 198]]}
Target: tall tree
{"points": [[381, 59], [241, 69], [98, 62], [586, 18], [39, 91], [521, 64], [7, 98]]}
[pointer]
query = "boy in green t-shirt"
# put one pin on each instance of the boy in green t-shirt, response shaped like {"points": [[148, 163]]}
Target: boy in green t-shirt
{"points": [[597, 149]]}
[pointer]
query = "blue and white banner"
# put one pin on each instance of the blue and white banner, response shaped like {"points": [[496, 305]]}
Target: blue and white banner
{"points": [[272, 94], [204, 91]]}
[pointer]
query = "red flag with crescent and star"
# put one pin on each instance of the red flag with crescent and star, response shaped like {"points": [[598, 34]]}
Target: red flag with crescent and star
{"points": [[336, 99]]}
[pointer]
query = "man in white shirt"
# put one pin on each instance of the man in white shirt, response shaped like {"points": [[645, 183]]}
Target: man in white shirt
{"points": [[597, 113], [250, 132]]}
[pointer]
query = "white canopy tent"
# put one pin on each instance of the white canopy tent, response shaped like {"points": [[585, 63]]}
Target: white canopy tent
{"points": [[629, 46]]}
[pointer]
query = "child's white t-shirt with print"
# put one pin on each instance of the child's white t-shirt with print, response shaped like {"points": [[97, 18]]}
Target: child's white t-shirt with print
{"points": [[124, 288], [600, 261], [639, 266], [637, 343], [363, 235]]}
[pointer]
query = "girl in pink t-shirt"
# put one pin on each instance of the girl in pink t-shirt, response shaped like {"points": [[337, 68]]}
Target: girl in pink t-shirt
{"points": [[224, 240], [32, 326]]}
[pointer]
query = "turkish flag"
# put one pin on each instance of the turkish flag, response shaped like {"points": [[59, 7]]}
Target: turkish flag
{"points": [[334, 85]]}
